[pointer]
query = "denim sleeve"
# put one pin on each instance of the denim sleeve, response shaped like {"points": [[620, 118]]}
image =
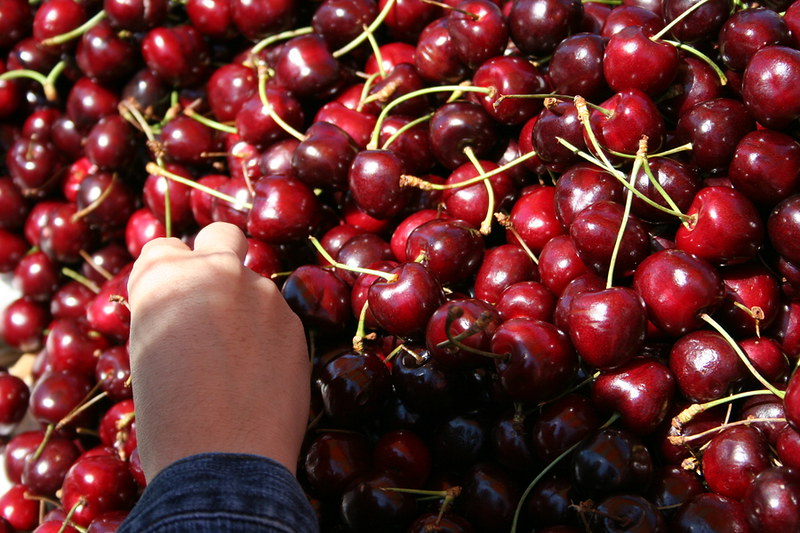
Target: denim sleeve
{"points": [[220, 492]]}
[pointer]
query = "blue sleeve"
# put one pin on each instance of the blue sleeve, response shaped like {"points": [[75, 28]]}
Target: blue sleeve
{"points": [[219, 492]]}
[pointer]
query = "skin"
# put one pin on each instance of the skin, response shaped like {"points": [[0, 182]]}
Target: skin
{"points": [[219, 361]]}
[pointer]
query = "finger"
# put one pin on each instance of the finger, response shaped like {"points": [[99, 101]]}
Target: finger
{"points": [[155, 248], [221, 237]]}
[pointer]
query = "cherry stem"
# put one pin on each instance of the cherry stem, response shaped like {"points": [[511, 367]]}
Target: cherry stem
{"points": [[77, 32], [352, 45], [678, 19], [376, 49], [213, 124], [262, 94], [680, 440], [546, 470], [373, 143], [524, 96], [153, 168], [657, 186], [686, 416], [641, 155], [119, 299], [283, 36], [358, 339], [413, 181], [83, 280], [454, 313], [505, 221], [336, 264], [48, 433], [68, 519], [755, 312], [96, 266], [404, 128], [47, 82], [486, 223], [746, 360], [622, 179], [704, 58], [365, 97], [583, 115], [81, 407]]}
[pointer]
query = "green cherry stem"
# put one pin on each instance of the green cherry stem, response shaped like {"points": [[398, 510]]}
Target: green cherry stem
{"points": [[678, 19], [77, 32], [746, 360], [641, 155], [693, 410], [153, 168], [262, 94], [80, 278], [278, 37], [413, 181], [486, 223], [205, 121], [404, 128], [704, 58]]}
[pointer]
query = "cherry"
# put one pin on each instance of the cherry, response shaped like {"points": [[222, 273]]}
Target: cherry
{"points": [[632, 60], [105, 56], [261, 18], [156, 188], [20, 512], [772, 499], [177, 55], [412, 146], [751, 298], [319, 297], [611, 461], [14, 396], [478, 30], [136, 15], [587, 282], [106, 314], [705, 366], [673, 486], [540, 362], [361, 251], [71, 345], [112, 371], [558, 119], [341, 21], [767, 357], [676, 288], [733, 459], [71, 300], [408, 18], [23, 324], [13, 206], [55, 17], [695, 82], [354, 387], [36, 276], [254, 121], [472, 203], [576, 67], [403, 456], [746, 32], [783, 226], [56, 394], [403, 306], [446, 523], [767, 406], [711, 512], [714, 128], [323, 158], [35, 167], [391, 55], [95, 485], [449, 248], [15, 22], [186, 141], [88, 102], [306, 68], [628, 512], [563, 423], [45, 474], [527, 299], [537, 26], [507, 75], [581, 186], [334, 459], [679, 181], [500, 268], [625, 118], [534, 219], [461, 315], [458, 125], [700, 23], [284, 210], [147, 93], [142, 227], [489, 497], [435, 56], [559, 264], [423, 383], [367, 505], [766, 166], [629, 14]]}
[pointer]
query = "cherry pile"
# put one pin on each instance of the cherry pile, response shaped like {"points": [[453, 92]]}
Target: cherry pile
{"points": [[547, 252]]}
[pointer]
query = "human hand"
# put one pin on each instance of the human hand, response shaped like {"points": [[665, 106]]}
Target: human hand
{"points": [[219, 361]]}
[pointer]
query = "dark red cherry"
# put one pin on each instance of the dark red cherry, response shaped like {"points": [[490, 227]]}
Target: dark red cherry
{"points": [[460, 315], [35, 167], [374, 179], [628, 513], [700, 23], [13, 206], [625, 118], [611, 461], [538, 26], [746, 32], [733, 459], [254, 123], [177, 55], [629, 14], [576, 67], [15, 22], [558, 119], [705, 366], [403, 306], [563, 423], [451, 249], [45, 474], [306, 67], [534, 219], [71, 345], [489, 497], [714, 128], [435, 56], [228, 88], [36, 276], [334, 459], [21, 512], [676, 288], [594, 234], [472, 203], [403, 456], [213, 18], [23, 324], [96, 485], [341, 21], [143, 226], [105, 56], [478, 30], [771, 500], [14, 396], [260, 18], [88, 102], [540, 362], [783, 226], [500, 268], [507, 75], [354, 387], [633, 60], [367, 505], [559, 264], [136, 15], [527, 299], [641, 391], [756, 292], [581, 186], [186, 141], [459, 125], [673, 486], [695, 82], [319, 297], [105, 201], [55, 395], [412, 145], [71, 300], [447, 523], [323, 158], [711, 512], [108, 316], [284, 210], [607, 327], [766, 167], [679, 181], [113, 370], [147, 93], [407, 18], [55, 17]]}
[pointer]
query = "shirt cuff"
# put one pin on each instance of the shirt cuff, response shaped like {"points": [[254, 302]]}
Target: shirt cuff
{"points": [[222, 492]]}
